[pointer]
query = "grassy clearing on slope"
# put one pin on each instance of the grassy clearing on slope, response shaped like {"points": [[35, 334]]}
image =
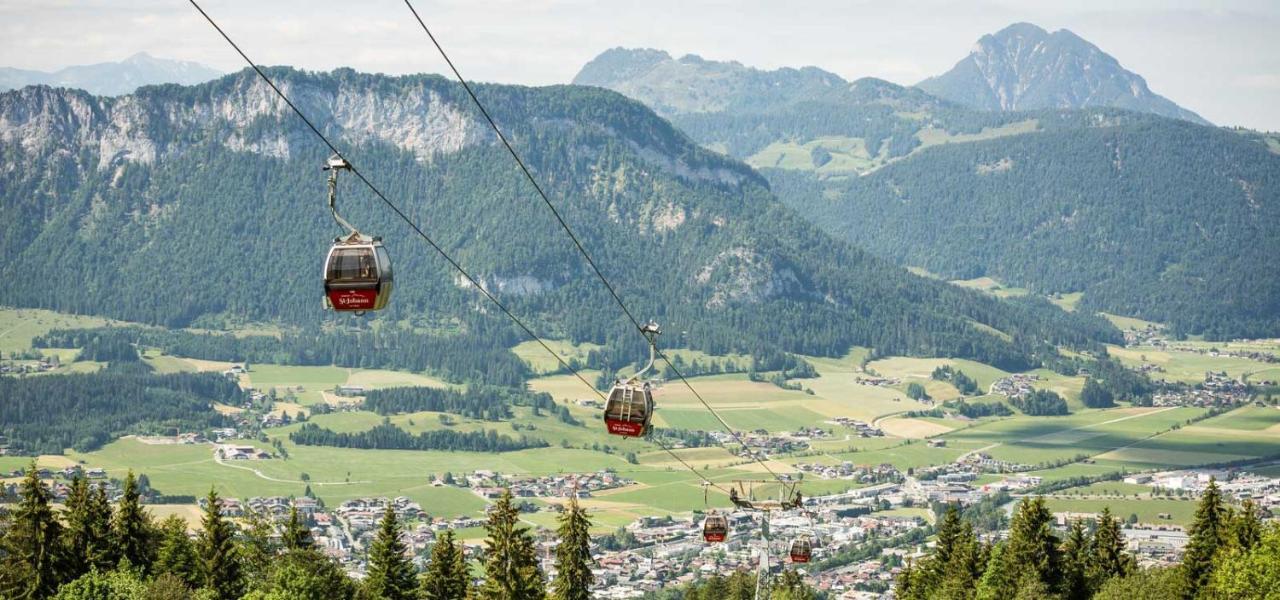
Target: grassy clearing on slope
{"points": [[846, 155], [933, 137], [1129, 322], [1067, 302], [991, 286], [534, 355], [18, 326]]}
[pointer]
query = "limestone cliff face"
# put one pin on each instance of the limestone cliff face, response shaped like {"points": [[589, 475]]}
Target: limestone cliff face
{"points": [[140, 127]]}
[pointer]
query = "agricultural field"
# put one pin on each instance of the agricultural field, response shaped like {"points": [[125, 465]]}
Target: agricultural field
{"points": [[921, 369], [1190, 367], [1181, 512], [1107, 488], [309, 384], [1038, 440]]}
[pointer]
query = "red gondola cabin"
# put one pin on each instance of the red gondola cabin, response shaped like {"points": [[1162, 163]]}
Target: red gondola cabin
{"points": [[715, 528], [629, 409], [801, 550], [357, 275]]}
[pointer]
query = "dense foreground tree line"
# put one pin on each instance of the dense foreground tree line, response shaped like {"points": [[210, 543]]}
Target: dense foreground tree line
{"points": [[386, 436], [93, 409], [94, 550], [1230, 554]]}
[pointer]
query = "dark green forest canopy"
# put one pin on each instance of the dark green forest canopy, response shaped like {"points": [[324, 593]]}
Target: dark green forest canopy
{"points": [[389, 437], [93, 409], [212, 230]]}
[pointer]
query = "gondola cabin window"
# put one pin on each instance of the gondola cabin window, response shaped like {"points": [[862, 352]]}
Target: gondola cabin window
{"points": [[353, 264]]}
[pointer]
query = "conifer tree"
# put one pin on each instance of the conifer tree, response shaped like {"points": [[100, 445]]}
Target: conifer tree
{"points": [[904, 584], [1246, 527], [511, 567], [446, 577], [1075, 563], [1252, 574], [101, 550], [961, 575], [219, 558], [1109, 557], [1208, 535], [573, 555], [950, 530], [1032, 550], [74, 535], [951, 559], [132, 530], [296, 535], [391, 574], [32, 550], [255, 547], [176, 555], [997, 581]]}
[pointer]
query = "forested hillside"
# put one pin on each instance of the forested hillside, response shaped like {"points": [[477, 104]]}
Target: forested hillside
{"points": [[201, 205], [1147, 216], [1162, 220]]}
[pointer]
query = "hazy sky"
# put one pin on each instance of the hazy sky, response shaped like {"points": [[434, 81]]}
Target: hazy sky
{"points": [[1220, 59]]}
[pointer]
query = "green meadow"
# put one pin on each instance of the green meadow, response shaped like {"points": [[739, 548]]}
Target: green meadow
{"points": [[1182, 512]]}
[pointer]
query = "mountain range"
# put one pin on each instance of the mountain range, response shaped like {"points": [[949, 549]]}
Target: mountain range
{"points": [[1142, 215], [198, 205], [112, 78]]}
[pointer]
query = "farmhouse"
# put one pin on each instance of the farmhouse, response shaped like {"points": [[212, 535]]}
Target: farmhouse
{"points": [[233, 452]]}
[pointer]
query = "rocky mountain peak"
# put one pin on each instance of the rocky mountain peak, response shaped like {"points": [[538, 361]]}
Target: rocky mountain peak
{"points": [[1025, 67]]}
